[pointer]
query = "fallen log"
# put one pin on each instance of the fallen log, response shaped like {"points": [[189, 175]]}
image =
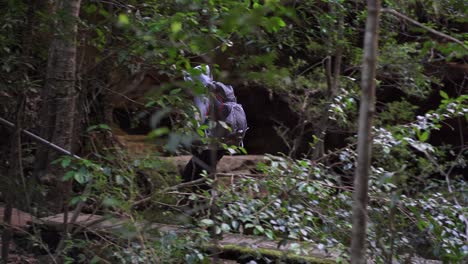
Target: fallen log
{"points": [[230, 251], [231, 246]]}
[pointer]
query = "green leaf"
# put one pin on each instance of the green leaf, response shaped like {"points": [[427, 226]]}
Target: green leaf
{"points": [[81, 176], [231, 151], [95, 260], [259, 228], [424, 136], [175, 91], [422, 225], [99, 126], [225, 227], [90, 8], [176, 27], [223, 47], [443, 94], [200, 132], [235, 224], [77, 199], [207, 222], [269, 234], [158, 132], [103, 12], [119, 179], [243, 150], [68, 176], [104, 126], [274, 24], [110, 201], [65, 162], [249, 225], [123, 20], [278, 21]]}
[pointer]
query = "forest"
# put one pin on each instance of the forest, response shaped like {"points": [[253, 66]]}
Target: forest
{"points": [[233, 131]]}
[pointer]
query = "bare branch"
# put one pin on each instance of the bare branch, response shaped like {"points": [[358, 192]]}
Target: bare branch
{"points": [[433, 31]]}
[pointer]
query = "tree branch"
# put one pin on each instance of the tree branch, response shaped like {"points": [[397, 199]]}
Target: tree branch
{"points": [[433, 31]]}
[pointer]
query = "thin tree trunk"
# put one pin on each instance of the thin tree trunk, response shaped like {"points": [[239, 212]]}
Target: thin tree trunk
{"points": [[332, 73], [366, 113], [59, 94], [7, 231], [47, 118], [14, 172], [333, 82]]}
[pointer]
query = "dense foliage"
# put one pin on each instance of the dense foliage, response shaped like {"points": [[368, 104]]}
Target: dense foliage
{"points": [[308, 53]]}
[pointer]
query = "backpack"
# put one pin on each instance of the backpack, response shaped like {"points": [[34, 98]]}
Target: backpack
{"points": [[228, 111], [223, 92]]}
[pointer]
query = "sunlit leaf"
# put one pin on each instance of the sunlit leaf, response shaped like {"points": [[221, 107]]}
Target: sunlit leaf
{"points": [[443, 94], [123, 20], [207, 222], [176, 27]]}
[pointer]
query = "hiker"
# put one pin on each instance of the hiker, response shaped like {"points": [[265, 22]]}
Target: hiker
{"points": [[219, 104]]}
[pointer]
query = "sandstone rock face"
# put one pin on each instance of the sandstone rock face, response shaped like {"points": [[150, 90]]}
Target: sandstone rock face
{"points": [[19, 219], [263, 108], [241, 163]]}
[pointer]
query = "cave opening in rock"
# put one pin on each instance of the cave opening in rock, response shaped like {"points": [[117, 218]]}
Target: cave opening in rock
{"points": [[132, 121], [263, 109]]}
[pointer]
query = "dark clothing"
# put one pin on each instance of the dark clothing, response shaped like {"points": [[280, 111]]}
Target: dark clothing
{"points": [[201, 161]]}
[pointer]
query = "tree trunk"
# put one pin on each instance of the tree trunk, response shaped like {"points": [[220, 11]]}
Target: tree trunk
{"points": [[333, 82], [10, 186], [59, 96], [366, 112], [47, 118]]}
